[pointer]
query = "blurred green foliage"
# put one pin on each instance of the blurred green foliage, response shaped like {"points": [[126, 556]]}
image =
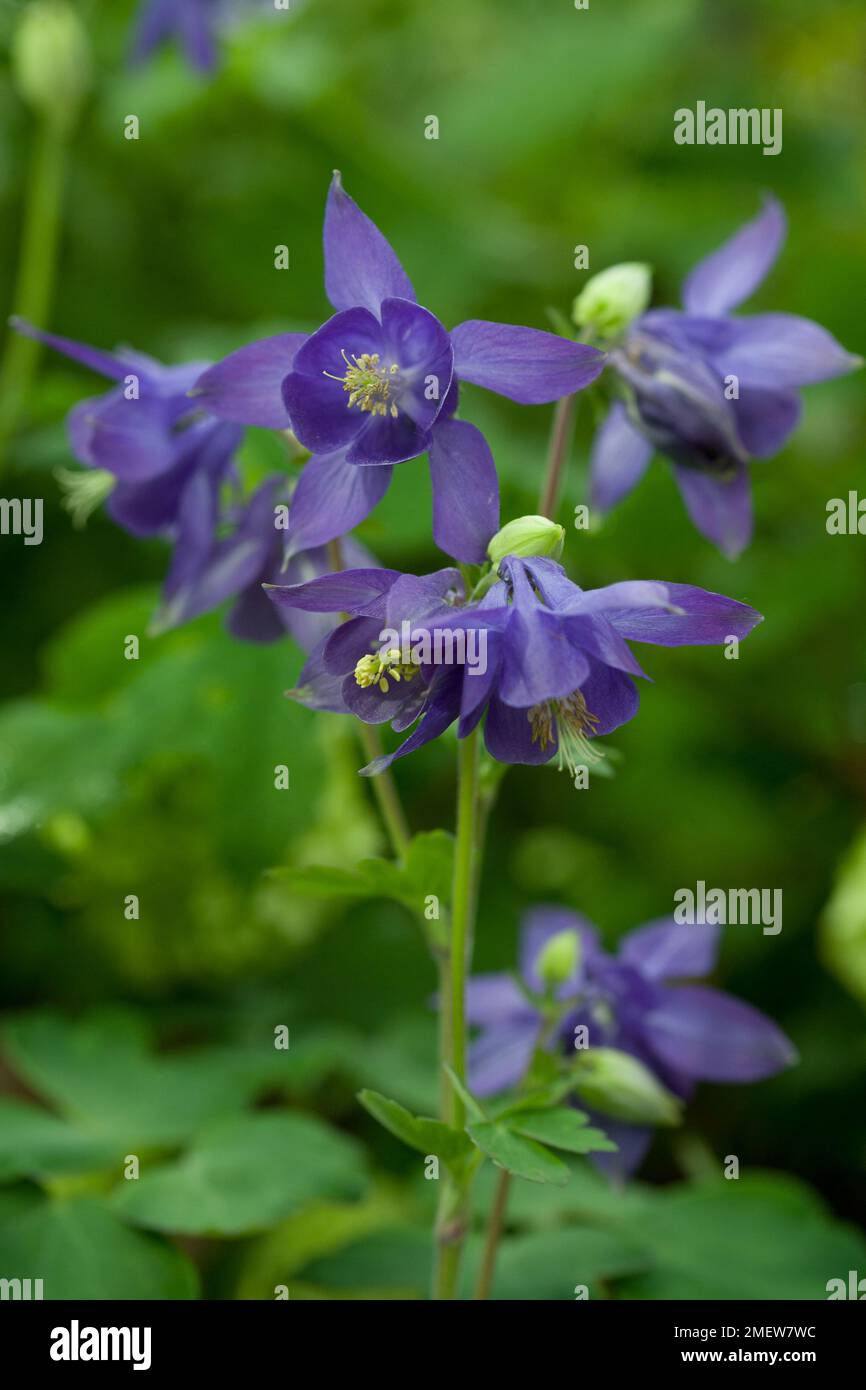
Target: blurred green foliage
{"points": [[155, 777]]}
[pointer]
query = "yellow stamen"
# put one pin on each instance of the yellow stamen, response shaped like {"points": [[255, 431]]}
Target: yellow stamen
{"points": [[379, 668], [367, 383], [569, 721]]}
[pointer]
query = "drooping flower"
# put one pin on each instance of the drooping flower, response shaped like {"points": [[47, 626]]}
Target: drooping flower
{"points": [[545, 664], [378, 385], [167, 465], [710, 390], [633, 1001]]}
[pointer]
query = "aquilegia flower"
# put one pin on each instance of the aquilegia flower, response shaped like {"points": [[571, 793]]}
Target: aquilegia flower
{"points": [[163, 466], [683, 1033], [156, 443], [712, 391], [377, 385], [194, 23], [546, 664]]}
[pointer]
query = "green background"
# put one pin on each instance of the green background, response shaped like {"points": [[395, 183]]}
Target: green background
{"points": [[153, 1037]]}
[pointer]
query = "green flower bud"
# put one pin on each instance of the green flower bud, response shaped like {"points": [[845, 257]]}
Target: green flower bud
{"points": [[619, 1085], [559, 959], [528, 535], [51, 60], [610, 300]]}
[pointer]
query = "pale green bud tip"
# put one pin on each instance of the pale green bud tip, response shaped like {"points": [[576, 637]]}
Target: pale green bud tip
{"points": [[619, 1085], [559, 959], [528, 535], [612, 299], [51, 59]]}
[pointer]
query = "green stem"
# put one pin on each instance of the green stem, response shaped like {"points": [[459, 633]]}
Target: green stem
{"points": [[36, 268], [385, 792], [452, 1220], [560, 439], [494, 1233]]}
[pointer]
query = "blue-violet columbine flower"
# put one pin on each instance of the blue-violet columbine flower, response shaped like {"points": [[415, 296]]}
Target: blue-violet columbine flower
{"points": [[377, 385], [550, 664], [633, 1001], [712, 391]]}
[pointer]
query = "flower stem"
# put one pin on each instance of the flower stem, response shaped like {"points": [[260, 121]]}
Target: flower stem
{"points": [[385, 792], [494, 1232], [452, 1220], [560, 438], [36, 267]]}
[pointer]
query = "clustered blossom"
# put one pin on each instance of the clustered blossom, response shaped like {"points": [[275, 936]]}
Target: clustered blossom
{"points": [[634, 1001], [710, 390], [377, 385], [558, 669]]}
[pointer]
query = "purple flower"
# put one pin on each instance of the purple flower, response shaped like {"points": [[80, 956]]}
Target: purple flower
{"points": [[677, 371], [159, 445], [377, 385], [192, 22], [546, 664], [684, 1033]]}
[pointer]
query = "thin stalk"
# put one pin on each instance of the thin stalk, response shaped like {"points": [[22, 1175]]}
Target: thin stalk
{"points": [[494, 1234], [36, 269], [557, 455], [452, 1218], [385, 792]]}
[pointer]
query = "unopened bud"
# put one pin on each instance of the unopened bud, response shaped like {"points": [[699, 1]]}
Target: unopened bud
{"points": [[619, 1085], [51, 60], [612, 299], [528, 535], [559, 958]]}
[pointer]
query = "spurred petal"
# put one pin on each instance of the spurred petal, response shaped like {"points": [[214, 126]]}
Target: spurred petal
{"points": [[105, 363], [508, 735], [247, 385], [712, 1036], [320, 414], [727, 277], [349, 591], [360, 265], [331, 498], [671, 615], [440, 713], [611, 696], [386, 440], [196, 25], [416, 341], [525, 364], [539, 662], [720, 505], [667, 950], [619, 459], [780, 351], [465, 491]]}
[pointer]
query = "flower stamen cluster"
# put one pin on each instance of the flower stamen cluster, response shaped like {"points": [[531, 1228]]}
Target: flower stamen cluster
{"points": [[378, 668], [367, 383], [572, 722]]}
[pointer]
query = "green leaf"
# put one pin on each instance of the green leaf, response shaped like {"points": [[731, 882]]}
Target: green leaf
{"points": [[523, 1158], [244, 1174], [561, 1128], [426, 1135], [552, 1264], [83, 1250], [37, 1144], [426, 873], [101, 1074]]}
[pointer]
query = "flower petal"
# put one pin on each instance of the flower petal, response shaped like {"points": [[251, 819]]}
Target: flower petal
{"points": [[247, 385], [440, 713], [499, 1058], [671, 615], [386, 440], [611, 696], [320, 413], [494, 998], [105, 363], [765, 419], [525, 364], [360, 266], [331, 498], [415, 339], [508, 736], [779, 351], [465, 491], [668, 950], [719, 504], [724, 279], [349, 591], [711, 1036], [619, 459]]}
